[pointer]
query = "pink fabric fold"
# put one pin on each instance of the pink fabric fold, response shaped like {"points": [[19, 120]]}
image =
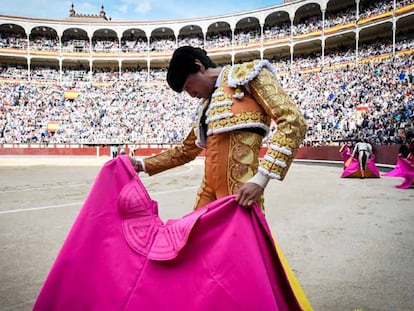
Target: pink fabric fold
{"points": [[404, 169], [119, 255]]}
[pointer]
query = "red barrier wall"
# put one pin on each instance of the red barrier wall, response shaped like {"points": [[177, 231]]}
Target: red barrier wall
{"points": [[41, 151], [386, 154]]}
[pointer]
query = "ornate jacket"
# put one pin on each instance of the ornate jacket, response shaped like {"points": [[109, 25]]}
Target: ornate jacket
{"points": [[248, 96]]}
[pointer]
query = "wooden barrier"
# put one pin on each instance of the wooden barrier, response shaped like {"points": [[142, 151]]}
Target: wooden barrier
{"points": [[385, 154]]}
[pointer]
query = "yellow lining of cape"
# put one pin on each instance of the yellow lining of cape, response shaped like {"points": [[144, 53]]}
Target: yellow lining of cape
{"points": [[297, 289]]}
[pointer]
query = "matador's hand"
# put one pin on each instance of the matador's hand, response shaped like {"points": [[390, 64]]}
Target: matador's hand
{"points": [[248, 194], [136, 165]]}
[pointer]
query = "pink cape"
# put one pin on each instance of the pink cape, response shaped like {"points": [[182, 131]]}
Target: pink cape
{"points": [[119, 255], [351, 165], [405, 169]]}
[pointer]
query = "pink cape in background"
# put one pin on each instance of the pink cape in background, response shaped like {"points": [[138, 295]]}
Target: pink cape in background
{"points": [[405, 169], [119, 255], [351, 165]]}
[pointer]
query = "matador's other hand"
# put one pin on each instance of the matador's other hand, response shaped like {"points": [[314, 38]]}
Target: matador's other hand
{"points": [[248, 194], [137, 165]]}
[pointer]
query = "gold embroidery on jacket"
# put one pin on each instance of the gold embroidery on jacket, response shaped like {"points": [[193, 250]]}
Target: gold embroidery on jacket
{"points": [[243, 159], [276, 105], [291, 127]]}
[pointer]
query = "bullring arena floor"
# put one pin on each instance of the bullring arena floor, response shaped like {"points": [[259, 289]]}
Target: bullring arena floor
{"points": [[349, 241]]}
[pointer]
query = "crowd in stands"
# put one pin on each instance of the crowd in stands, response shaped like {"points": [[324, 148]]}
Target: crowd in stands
{"points": [[241, 37], [374, 99], [99, 115], [111, 75], [341, 99]]}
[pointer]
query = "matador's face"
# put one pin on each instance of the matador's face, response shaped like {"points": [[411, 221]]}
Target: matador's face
{"points": [[197, 84]]}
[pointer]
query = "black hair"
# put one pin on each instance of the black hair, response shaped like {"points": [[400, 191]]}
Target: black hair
{"points": [[182, 64]]}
